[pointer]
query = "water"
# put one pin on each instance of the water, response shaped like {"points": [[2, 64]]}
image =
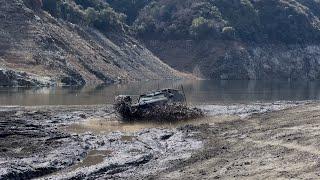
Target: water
{"points": [[197, 92]]}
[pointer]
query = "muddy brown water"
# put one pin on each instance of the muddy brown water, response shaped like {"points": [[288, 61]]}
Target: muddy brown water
{"points": [[94, 157], [198, 92]]}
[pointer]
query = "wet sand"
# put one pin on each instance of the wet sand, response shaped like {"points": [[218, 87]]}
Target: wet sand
{"points": [[262, 140]]}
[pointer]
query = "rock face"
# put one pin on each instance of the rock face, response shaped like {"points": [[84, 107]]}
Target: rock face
{"points": [[33, 41], [237, 60]]}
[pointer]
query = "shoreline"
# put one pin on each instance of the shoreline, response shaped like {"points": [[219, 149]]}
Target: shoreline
{"points": [[35, 145]]}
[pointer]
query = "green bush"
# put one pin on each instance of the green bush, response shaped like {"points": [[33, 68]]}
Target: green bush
{"points": [[130, 8], [200, 27], [91, 16], [178, 19], [241, 15], [95, 13], [96, 4], [104, 20]]}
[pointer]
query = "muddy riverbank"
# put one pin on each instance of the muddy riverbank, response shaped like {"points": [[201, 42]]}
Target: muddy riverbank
{"points": [[235, 141]]}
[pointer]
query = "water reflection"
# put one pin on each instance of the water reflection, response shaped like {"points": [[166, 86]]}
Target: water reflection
{"points": [[198, 92]]}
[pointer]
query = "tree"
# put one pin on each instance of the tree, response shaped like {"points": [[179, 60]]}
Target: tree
{"points": [[131, 8], [200, 27], [96, 4], [51, 6], [91, 15]]}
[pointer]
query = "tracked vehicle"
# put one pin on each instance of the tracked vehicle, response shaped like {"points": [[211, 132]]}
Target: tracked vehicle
{"points": [[163, 105]]}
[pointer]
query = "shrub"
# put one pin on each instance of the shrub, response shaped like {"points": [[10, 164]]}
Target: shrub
{"points": [[200, 27], [130, 8], [91, 16], [95, 13]]}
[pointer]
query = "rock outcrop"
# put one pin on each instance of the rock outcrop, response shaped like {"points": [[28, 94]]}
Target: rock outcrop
{"points": [[33, 41], [15, 78]]}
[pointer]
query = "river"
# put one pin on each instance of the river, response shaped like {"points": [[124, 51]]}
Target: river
{"points": [[197, 92]]}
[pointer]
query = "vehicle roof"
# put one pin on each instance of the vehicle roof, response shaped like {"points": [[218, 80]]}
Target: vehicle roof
{"points": [[156, 92]]}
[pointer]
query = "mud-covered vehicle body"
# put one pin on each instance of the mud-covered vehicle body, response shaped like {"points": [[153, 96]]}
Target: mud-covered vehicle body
{"points": [[165, 104], [161, 97]]}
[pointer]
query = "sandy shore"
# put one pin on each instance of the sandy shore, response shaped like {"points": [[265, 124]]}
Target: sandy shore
{"points": [[241, 141]]}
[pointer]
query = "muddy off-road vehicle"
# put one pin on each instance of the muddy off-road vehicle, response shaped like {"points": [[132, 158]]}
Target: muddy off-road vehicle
{"points": [[160, 105]]}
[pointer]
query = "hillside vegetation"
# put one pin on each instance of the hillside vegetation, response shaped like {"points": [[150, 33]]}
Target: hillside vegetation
{"points": [[289, 21]]}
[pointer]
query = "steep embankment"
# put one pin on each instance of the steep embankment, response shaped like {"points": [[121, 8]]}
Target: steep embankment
{"points": [[38, 49], [239, 60]]}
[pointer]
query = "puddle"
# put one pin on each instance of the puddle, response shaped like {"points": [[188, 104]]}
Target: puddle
{"points": [[94, 157], [128, 138], [105, 126]]}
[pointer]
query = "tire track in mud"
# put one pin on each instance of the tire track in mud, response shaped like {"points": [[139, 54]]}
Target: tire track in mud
{"points": [[272, 145], [293, 146]]}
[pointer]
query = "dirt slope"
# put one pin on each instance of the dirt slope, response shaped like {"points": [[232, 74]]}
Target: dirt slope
{"points": [[38, 44]]}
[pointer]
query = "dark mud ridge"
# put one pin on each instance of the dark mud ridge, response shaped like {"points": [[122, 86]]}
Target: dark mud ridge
{"points": [[34, 143]]}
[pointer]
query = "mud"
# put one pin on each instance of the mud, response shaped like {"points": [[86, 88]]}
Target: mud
{"points": [[261, 140]]}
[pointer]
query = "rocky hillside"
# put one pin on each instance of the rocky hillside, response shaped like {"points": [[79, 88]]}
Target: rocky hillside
{"points": [[38, 48], [235, 39], [238, 60]]}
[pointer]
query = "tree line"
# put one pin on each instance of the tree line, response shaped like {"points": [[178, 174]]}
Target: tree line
{"points": [[289, 21]]}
